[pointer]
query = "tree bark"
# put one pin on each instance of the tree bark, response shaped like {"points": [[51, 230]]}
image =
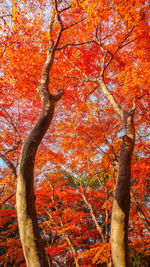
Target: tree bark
{"points": [[33, 248], [27, 217], [121, 202]]}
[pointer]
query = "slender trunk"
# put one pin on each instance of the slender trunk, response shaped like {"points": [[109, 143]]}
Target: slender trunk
{"points": [[121, 202], [27, 218], [74, 252], [99, 229], [33, 248]]}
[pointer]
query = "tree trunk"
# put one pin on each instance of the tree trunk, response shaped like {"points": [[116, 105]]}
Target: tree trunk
{"points": [[33, 248], [121, 202], [27, 219]]}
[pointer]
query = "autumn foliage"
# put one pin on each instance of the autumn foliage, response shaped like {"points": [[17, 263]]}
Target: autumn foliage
{"points": [[76, 165]]}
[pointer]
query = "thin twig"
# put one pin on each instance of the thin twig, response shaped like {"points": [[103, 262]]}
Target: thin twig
{"points": [[72, 44], [77, 22]]}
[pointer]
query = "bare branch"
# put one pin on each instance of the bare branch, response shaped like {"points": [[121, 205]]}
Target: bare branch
{"points": [[14, 126], [57, 97], [102, 85], [128, 42], [64, 9], [5, 15], [110, 97], [72, 44], [2, 190], [121, 45], [9, 164], [9, 30], [4, 201], [104, 63], [96, 33], [91, 92], [77, 68], [140, 212], [101, 82], [51, 29], [87, 78], [92, 140], [61, 26], [143, 95], [75, 77], [90, 207], [127, 36], [109, 35], [77, 22], [43, 87], [58, 15]]}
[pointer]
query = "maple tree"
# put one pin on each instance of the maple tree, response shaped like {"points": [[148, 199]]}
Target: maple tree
{"points": [[96, 68]]}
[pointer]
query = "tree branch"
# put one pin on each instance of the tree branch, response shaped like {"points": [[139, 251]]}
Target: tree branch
{"points": [[9, 164], [4, 201], [77, 22], [91, 92], [121, 45], [140, 212], [77, 68], [110, 98], [5, 15], [64, 9], [72, 44]]}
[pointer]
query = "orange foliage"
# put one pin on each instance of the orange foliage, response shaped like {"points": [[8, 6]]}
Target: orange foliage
{"points": [[77, 155]]}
